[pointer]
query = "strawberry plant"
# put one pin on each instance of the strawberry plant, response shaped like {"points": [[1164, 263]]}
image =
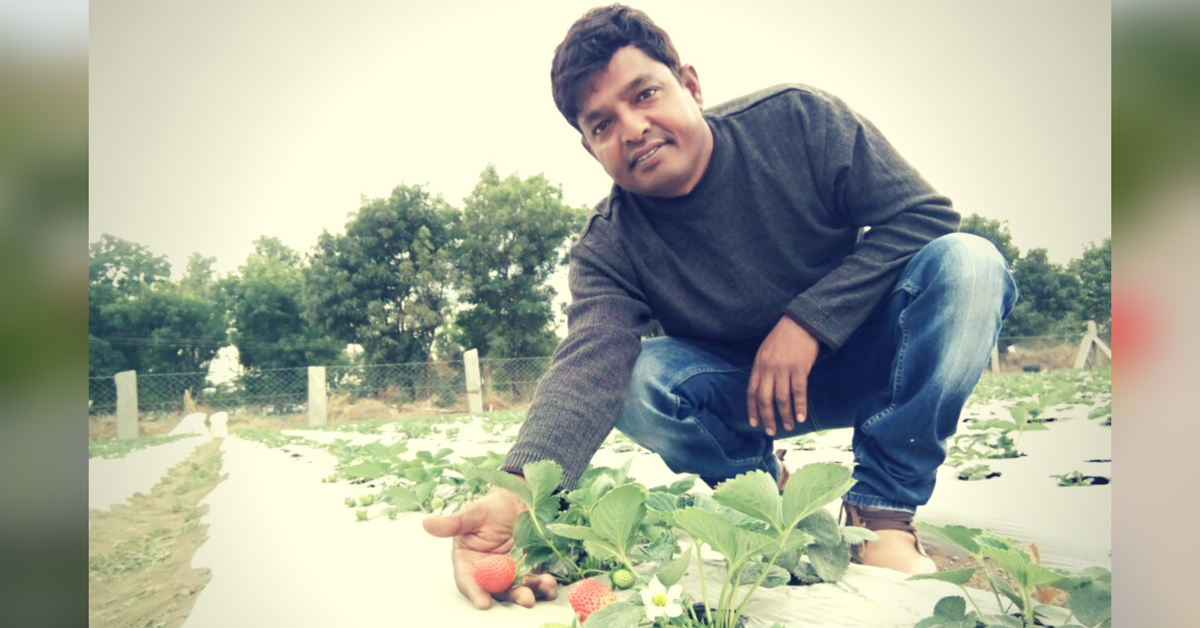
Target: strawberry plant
{"points": [[1090, 590]]}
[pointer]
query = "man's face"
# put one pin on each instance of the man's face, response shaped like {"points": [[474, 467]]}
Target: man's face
{"points": [[645, 127]]}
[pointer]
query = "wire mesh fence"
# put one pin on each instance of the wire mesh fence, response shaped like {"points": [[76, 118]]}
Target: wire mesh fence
{"points": [[439, 386]]}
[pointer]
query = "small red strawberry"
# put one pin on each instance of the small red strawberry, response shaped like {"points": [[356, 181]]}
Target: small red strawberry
{"points": [[495, 573], [589, 596]]}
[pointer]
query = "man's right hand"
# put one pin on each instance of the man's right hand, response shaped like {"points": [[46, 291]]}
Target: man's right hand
{"points": [[483, 528]]}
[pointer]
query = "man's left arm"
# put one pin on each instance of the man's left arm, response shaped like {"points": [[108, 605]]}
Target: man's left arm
{"points": [[865, 182]]}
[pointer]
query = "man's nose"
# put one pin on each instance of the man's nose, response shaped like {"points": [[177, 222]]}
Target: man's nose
{"points": [[634, 126]]}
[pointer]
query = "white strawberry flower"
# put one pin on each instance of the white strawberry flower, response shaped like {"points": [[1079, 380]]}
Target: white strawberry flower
{"points": [[659, 601]]}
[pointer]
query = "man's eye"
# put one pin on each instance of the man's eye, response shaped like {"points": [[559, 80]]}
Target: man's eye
{"points": [[649, 93], [600, 128]]}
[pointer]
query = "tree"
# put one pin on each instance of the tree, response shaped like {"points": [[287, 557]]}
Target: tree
{"points": [[1049, 297], [266, 303], [1094, 270], [994, 231], [119, 270], [510, 236], [384, 284]]}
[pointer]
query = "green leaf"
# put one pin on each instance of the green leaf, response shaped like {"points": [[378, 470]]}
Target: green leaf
{"points": [[617, 515], [776, 576], [1018, 564], [854, 535], [954, 576], [673, 571], [424, 491], [960, 536], [579, 533], [1053, 614], [756, 494], [811, 487], [661, 501], [379, 450], [505, 480], [823, 527], [542, 477], [369, 470], [402, 498], [949, 612], [829, 561], [1034, 426], [1092, 603], [681, 486], [616, 615], [731, 541], [1020, 414], [999, 621]]}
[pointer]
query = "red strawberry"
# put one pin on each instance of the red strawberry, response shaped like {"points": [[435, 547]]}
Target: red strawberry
{"points": [[589, 596], [495, 573]]}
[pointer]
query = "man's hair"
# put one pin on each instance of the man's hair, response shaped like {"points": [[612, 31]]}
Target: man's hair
{"points": [[591, 43]]}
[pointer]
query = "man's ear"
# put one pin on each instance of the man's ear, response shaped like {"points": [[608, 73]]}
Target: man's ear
{"points": [[588, 148], [690, 80]]}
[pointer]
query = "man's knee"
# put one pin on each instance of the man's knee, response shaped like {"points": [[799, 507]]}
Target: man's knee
{"points": [[970, 265]]}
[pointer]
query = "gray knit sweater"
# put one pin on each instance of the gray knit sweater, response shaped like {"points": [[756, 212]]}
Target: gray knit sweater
{"points": [[771, 230]]}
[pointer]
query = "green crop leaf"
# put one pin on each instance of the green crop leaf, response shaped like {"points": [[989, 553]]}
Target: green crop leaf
{"points": [[505, 480], [1034, 426], [829, 561], [949, 612], [369, 470], [1027, 573], [402, 498], [756, 494], [681, 486], [954, 576], [776, 576], [854, 535], [617, 515], [616, 615], [673, 571], [579, 533], [424, 491], [379, 450], [999, 621], [542, 477], [811, 487], [661, 501], [734, 543], [1092, 603], [823, 527], [960, 536], [1020, 415]]}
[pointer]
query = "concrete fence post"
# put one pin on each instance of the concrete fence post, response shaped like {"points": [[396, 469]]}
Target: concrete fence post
{"points": [[316, 395], [995, 359], [474, 385], [1091, 342], [127, 405]]}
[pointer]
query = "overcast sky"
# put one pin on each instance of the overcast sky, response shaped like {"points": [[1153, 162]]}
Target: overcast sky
{"points": [[214, 123]]}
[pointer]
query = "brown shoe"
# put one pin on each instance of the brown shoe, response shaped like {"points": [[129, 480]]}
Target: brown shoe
{"points": [[891, 523], [784, 474]]}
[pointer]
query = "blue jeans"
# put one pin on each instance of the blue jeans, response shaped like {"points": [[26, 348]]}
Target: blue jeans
{"points": [[900, 381]]}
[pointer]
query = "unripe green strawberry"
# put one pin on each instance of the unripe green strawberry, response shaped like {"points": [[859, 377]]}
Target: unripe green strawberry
{"points": [[622, 578], [437, 503], [589, 596], [495, 573]]}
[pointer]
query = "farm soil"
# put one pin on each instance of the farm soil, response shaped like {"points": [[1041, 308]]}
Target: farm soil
{"points": [[140, 553]]}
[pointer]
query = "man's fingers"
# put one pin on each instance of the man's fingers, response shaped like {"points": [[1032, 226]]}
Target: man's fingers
{"points": [[766, 404], [544, 586], [751, 393], [783, 401], [800, 396]]}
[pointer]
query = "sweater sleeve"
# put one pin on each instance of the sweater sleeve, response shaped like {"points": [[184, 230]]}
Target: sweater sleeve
{"points": [[865, 183], [582, 395]]}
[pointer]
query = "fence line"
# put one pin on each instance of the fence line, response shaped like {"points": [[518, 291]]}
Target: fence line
{"points": [[441, 385]]}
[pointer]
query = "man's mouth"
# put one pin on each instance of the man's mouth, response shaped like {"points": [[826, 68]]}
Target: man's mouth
{"points": [[644, 155]]}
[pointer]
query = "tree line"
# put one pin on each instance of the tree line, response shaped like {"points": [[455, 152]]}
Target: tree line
{"points": [[411, 277], [414, 277]]}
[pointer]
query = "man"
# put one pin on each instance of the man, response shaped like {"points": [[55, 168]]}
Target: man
{"points": [[740, 229]]}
